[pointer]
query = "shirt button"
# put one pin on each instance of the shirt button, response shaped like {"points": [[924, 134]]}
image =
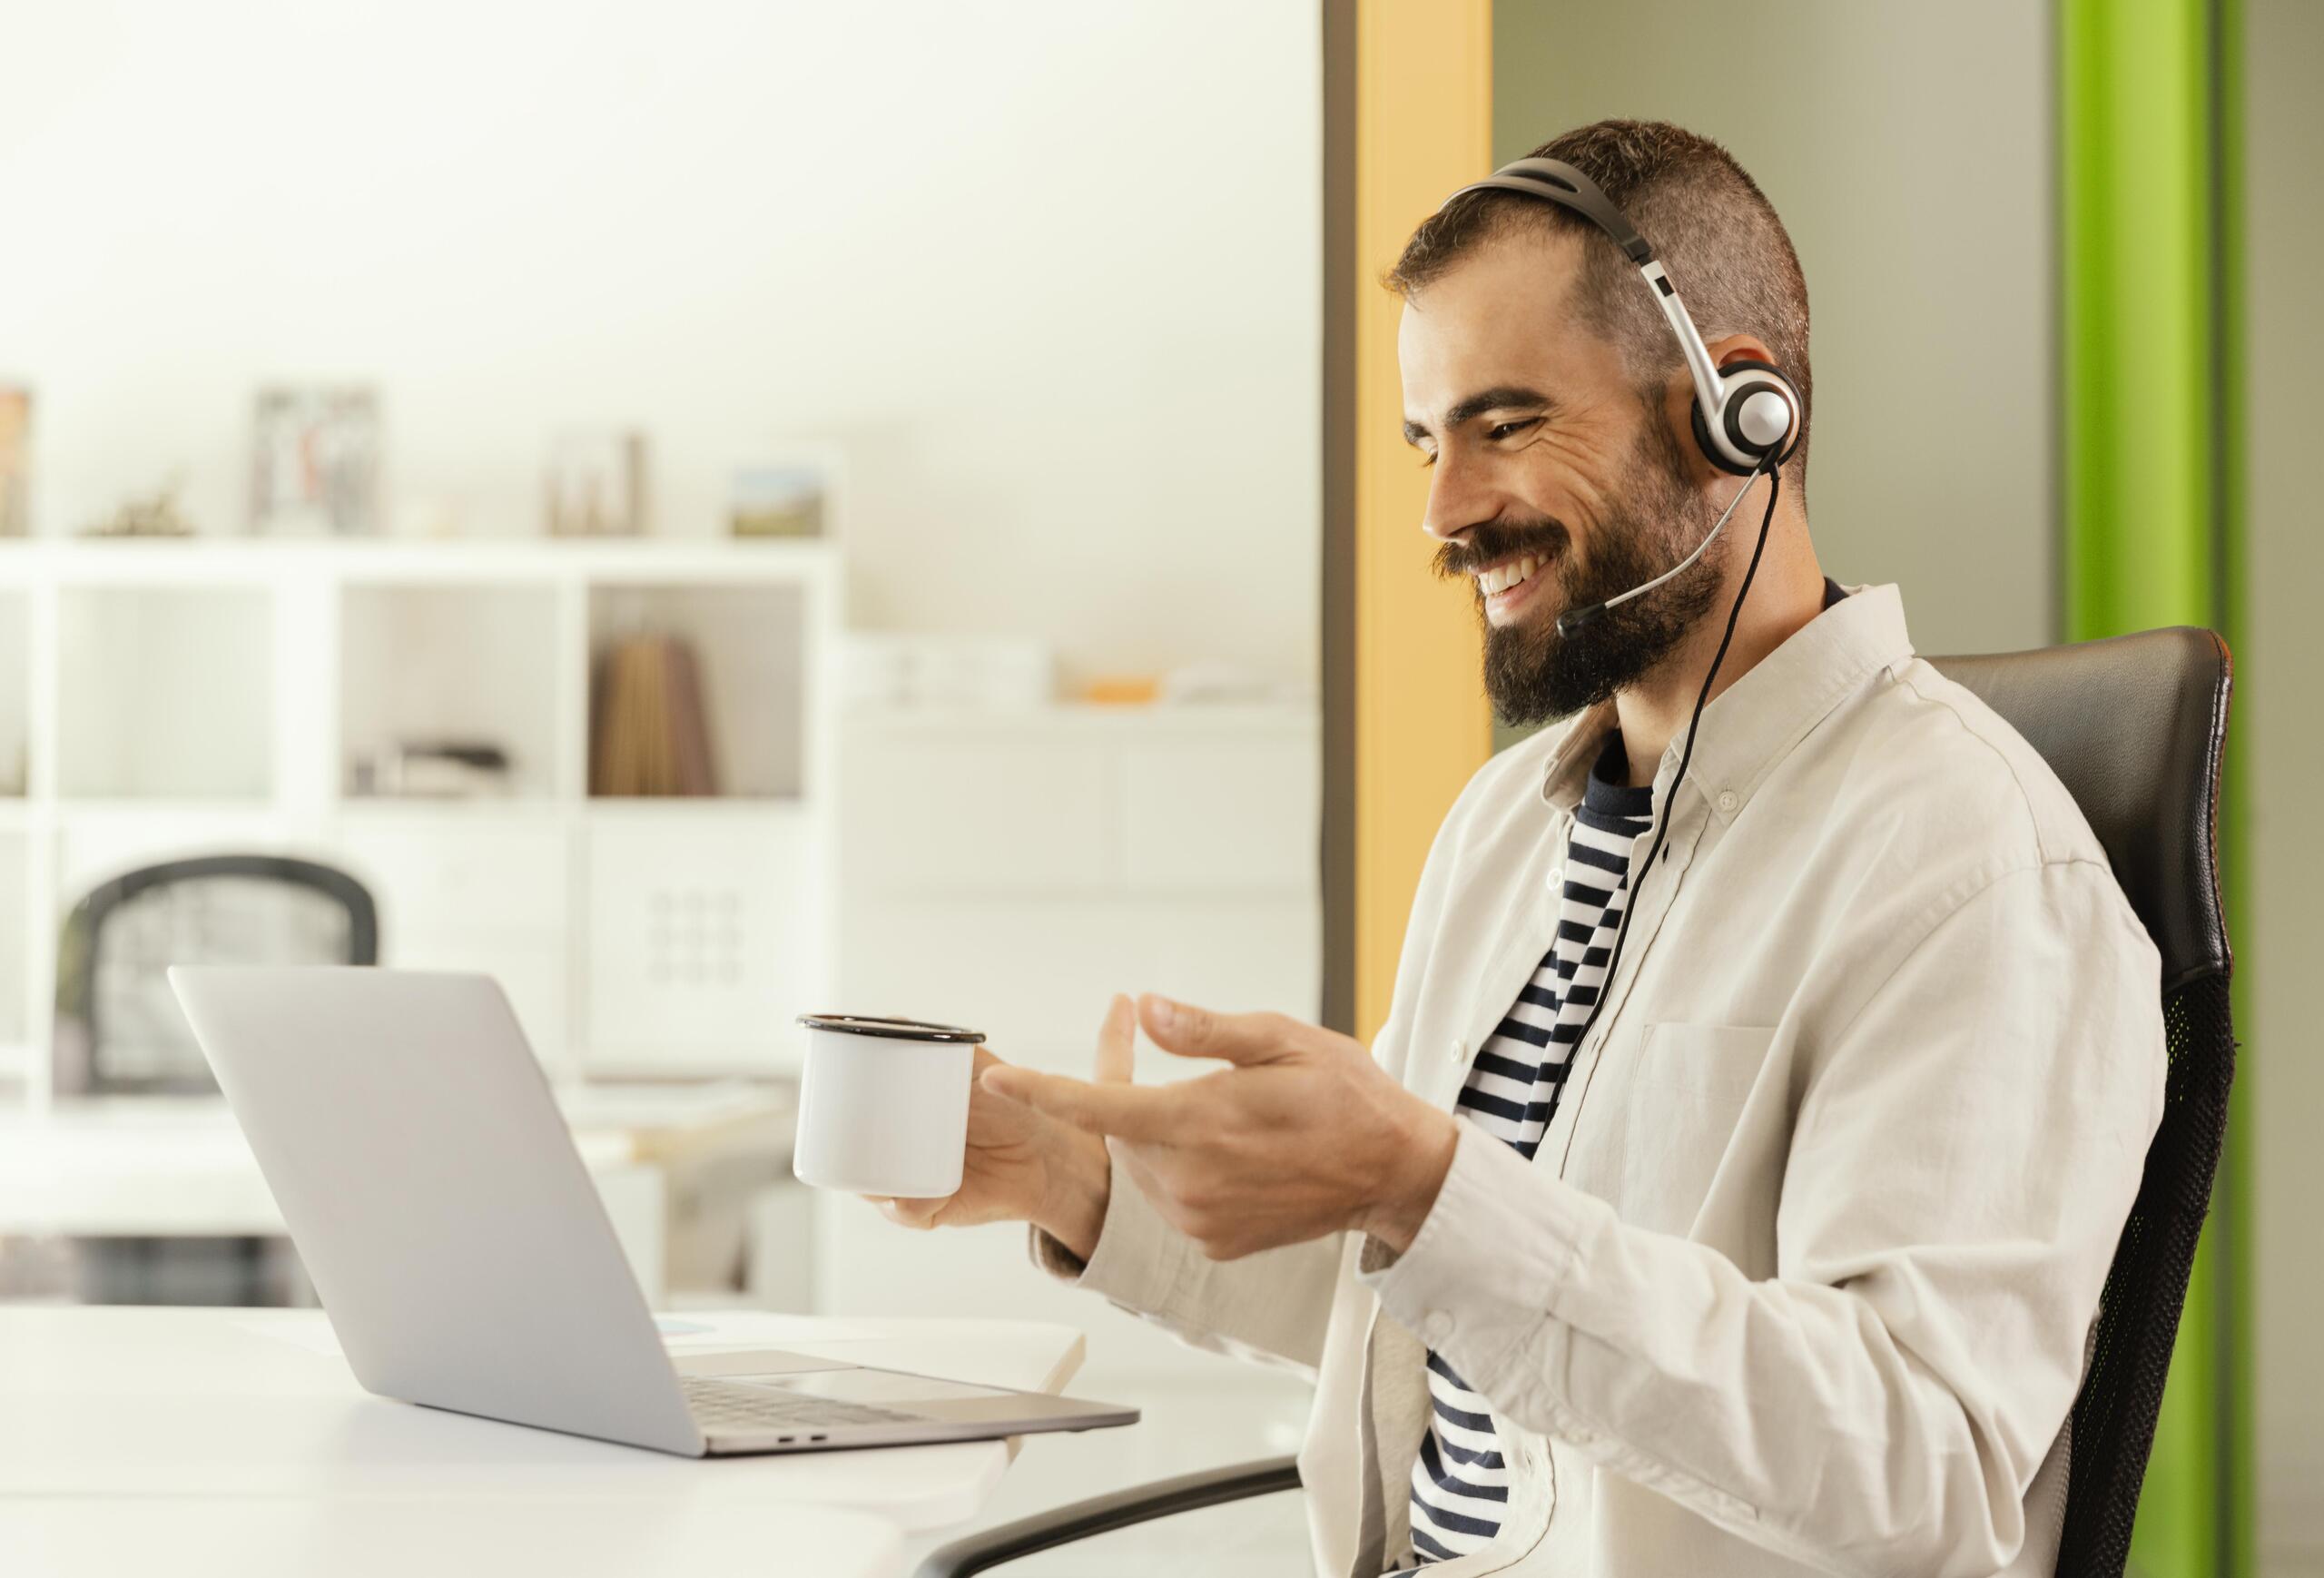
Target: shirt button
{"points": [[1456, 1052], [1726, 802], [1437, 1327]]}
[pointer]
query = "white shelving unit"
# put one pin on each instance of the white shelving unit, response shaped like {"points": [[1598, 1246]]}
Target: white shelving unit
{"points": [[1012, 872], [159, 699]]}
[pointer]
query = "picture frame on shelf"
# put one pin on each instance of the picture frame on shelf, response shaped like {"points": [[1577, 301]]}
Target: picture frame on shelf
{"points": [[784, 492], [776, 500], [315, 461], [597, 483]]}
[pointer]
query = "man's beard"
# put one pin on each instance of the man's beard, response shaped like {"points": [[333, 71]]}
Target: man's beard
{"points": [[1532, 674]]}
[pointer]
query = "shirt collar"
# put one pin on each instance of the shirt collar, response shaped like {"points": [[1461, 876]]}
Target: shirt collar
{"points": [[1750, 725]]}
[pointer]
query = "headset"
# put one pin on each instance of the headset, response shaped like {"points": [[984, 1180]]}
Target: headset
{"points": [[1748, 421], [1748, 417], [1741, 411]]}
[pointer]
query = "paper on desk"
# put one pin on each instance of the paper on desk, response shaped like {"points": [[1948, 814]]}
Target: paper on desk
{"points": [[694, 1332], [706, 1330]]}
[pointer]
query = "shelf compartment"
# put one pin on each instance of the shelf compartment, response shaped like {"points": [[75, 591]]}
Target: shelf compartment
{"points": [[165, 693], [16, 988], [435, 662], [16, 692], [747, 644]]}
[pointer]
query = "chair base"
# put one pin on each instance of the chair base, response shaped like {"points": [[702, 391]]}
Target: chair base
{"points": [[1102, 1514]]}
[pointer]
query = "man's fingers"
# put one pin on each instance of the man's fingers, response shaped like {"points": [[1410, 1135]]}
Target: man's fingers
{"points": [[1237, 1038], [1118, 1043], [1129, 1112], [912, 1213]]}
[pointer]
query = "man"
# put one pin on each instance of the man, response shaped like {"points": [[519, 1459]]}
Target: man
{"points": [[1789, 1264]]}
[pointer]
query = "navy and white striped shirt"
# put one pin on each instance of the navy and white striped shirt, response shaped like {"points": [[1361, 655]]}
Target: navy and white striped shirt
{"points": [[1460, 1483]]}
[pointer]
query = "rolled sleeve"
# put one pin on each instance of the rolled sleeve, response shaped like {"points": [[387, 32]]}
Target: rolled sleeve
{"points": [[1273, 1307], [1136, 1259], [1485, 1266]]}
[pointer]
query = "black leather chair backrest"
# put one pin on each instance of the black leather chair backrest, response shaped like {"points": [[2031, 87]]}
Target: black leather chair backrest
{"points": [[2135, 728]]}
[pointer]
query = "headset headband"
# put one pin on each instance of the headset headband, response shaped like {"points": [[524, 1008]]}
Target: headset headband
{"points": [[1568, 188]]}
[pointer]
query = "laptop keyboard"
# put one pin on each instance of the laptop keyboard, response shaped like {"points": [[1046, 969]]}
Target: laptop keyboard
{"points": [[720, 1405]]}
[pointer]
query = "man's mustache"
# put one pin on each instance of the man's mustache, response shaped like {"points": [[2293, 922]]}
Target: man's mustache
{"points": [[1495, 541]]}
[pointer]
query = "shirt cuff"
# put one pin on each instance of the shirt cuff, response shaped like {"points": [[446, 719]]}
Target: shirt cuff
{"points": [[1496, 1246], [1136, 1259]]}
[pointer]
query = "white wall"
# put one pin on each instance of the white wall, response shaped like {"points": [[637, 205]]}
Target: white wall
{"points": [[1930, 293], [1049, 270]]}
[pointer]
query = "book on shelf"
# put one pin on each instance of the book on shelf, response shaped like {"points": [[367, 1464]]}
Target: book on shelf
{"points": [[650, 735]]}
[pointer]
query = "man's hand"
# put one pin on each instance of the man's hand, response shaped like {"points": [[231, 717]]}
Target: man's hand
{"points": [[1302, 1136], [1024, 1166]]}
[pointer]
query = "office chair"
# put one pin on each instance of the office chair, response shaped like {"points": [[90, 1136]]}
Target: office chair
{"points": [[119, 1030], [2135, 727]]}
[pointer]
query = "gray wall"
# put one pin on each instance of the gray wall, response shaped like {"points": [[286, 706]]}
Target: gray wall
{"points": [[1932, 311], [2279, 707]]}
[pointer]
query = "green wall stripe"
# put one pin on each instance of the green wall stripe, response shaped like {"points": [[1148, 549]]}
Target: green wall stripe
{"points": [[2151, 436], [2137, 271]]}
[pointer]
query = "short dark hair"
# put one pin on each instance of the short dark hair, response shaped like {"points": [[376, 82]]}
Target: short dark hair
{"points": [[1715, 231]]}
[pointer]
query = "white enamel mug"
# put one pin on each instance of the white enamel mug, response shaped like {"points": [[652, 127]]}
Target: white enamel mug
{"points": [[884, 1106]]}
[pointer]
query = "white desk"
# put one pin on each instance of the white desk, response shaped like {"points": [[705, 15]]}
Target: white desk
{"points": [[422, 1537], [159, 1167], [169, 1166], [175, 1408]]}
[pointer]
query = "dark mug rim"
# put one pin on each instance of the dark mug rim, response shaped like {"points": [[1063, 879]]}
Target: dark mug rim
{"points": [[892, 1030]]}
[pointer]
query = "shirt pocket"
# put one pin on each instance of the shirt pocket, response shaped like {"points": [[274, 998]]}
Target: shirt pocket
{"points": [[1679, 1112]]}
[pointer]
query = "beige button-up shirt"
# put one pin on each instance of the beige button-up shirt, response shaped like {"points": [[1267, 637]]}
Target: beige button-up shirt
{"points": [[1802, 1277]]}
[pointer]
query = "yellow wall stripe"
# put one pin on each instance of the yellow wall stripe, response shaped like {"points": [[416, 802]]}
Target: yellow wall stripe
{"points": [[1424, 125]]}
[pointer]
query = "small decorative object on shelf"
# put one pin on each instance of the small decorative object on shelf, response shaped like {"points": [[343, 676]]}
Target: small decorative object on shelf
{"points": [[315, 462], [777, 501], [1122, 690], [597, 485], [16, 461], [651, 733], [433, 770], [1211, 684], [435, 517], [155, 515]]}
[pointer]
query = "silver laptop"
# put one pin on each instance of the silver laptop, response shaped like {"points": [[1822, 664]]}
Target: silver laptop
{"points": [[464, 1258]]}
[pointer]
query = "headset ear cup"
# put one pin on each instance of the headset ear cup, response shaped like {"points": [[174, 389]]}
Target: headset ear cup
{"points": [[1742, 377]]}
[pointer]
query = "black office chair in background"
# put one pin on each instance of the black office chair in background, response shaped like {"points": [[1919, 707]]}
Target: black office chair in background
{"points": [[2135, 727], [119, 1031]]}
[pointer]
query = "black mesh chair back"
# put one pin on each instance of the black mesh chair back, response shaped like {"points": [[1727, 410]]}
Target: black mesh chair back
{"points": [[119, 1028], [2135, 727]]}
